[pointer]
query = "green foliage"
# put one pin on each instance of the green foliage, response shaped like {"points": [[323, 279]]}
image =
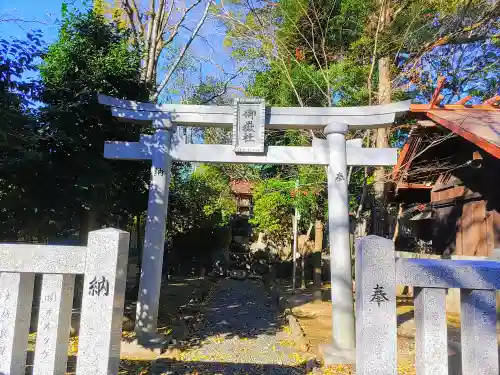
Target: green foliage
{"points": [[19, 157], [276, 198], [342, 84], [91, 56], [213, 186], [200, 206], [303, 83], [91, 49], [323, 30], [17, 95], [426, 39], [272, 209], [311, 199]]}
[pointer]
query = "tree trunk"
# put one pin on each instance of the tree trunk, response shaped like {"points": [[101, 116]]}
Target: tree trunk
{"points": [[396, 225], [381, 136], [318, 247], [361, 220], [294, 253], [379, 215], [154, 27], [303, 258], [88, 223], [302, 270]]}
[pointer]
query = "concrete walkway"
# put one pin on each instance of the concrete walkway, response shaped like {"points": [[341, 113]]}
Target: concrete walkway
{"points": [[241, 334]]}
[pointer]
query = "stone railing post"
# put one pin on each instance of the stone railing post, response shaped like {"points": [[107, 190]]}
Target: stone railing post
{"points": [[16, 295], [54, 321], [376, 325], [478, 281], [102, 304], [431, 337], [478, 320]]}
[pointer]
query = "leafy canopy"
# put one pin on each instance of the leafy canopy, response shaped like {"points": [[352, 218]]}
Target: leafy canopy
{"points": [[91, 56]]}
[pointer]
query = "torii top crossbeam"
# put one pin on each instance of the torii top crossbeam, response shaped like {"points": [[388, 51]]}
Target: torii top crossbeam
{"points": [[275, 118], [337, 120]]}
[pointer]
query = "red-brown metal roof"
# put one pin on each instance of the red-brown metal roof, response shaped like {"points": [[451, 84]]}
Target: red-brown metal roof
{"points": [[479, 127], [405, 157], [241, 187]]}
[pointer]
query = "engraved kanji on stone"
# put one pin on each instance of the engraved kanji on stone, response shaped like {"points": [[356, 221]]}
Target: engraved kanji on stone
{"points": [[160, 171], [2, 350], [248, 126], [50, 298], [44, 354], [379, 295], [249, 113], [248, 137], [340, 177], [46, 340], [98, 287], [5, 314], [3, 333]]}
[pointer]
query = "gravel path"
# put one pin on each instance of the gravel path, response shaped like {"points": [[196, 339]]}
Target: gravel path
{"points": [[241, 335]]}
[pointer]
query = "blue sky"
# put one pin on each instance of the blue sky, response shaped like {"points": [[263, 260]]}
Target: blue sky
{"points": [[45, 12], [208, 52]]}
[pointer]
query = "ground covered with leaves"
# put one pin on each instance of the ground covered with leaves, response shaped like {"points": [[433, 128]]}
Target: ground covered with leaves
{"points": [[242, 333]]}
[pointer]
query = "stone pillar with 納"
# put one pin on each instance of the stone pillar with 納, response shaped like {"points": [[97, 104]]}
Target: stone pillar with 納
{"points": [[103, 302]]}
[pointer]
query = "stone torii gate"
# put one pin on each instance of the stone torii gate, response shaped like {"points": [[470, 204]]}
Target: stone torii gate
{"points": [[249, 118]]}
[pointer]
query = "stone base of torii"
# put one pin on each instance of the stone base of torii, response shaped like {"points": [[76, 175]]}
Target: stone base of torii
{"points": [[249, 118]]}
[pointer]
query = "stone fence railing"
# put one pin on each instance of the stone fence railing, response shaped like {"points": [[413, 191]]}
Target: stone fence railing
{"points": [[104, 266], [378, 272]]}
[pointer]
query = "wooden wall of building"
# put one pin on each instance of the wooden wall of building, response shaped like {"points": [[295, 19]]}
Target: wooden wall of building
{"points": [[467, 215]]}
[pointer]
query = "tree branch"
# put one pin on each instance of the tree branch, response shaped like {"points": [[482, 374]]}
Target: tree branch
{"points": [[455, 36], [225, 87], [175, 31], [147, 40], [182, 53], [166, 18], [133, 26], [153, 46], [374, 57], [15, 20], [135, 10], [313, 50]]}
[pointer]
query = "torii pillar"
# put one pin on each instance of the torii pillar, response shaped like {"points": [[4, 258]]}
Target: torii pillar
{"points": [[154, 237], [342, 349]]}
